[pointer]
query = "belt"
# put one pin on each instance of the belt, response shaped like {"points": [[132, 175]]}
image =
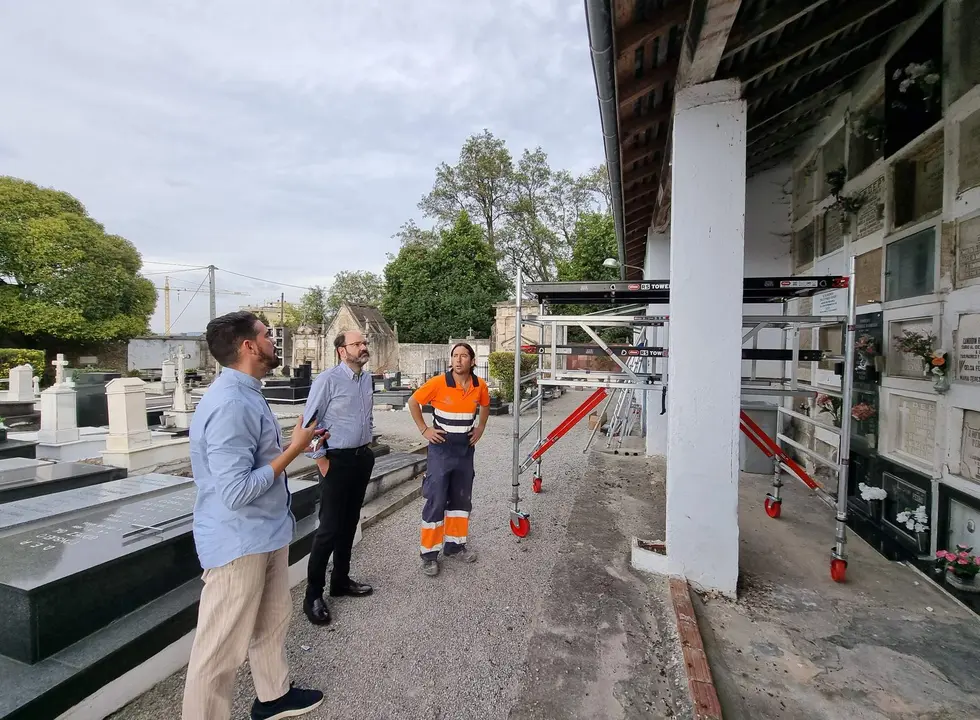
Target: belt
{"points": [[349, 451]]}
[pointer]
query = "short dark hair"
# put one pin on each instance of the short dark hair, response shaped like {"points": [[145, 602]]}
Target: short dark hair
{"points": [[468, 347], [340, 341], [225, 335]]}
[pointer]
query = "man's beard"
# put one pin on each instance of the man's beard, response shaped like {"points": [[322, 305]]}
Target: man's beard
{"points": [[271, 361], [363, 358]]}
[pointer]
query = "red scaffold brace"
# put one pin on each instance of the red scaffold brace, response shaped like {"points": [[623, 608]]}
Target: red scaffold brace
{"points": [[770, 448], [564, 426]]}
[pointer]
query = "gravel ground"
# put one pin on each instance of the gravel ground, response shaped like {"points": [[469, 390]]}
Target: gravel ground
{"points": [[455, 646]]}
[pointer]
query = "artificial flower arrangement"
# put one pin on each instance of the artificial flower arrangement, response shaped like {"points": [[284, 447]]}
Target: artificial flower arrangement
{"points": [[870, 492], [828, 404], [863, 411], [934, 361], [963, 564], [915, 520]]}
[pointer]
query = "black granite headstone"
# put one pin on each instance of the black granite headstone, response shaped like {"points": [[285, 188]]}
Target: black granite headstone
{"points": [[17, 449], [31, 478], [92, 407], [63, 581]]}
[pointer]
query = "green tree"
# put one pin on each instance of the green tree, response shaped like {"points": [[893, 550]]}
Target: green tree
{"points": [[479, 183], [62, 277], [313, 306], [594, 241], [442, 291], [359, 287]]}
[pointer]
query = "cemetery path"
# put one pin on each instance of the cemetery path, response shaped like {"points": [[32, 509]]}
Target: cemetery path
{"points": [[556, 625], [796, 645]]}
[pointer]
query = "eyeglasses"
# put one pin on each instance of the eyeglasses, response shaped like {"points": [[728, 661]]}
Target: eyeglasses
{"points": [[357, 344]]}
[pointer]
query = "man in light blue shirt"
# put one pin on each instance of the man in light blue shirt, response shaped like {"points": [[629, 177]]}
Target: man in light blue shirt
{"points": [[242, 530], [343, 399]]}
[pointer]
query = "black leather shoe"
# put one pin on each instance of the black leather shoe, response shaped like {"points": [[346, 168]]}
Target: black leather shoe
{"points": [[317, 611], [354, 589]]}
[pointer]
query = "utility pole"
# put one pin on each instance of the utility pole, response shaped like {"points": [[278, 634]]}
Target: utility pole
{"points": [[282, 309], [166, 305], [214, 307]]}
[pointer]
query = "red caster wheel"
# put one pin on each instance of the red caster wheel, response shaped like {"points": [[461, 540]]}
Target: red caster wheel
{"points": [[773, 506], [838, 568], [536, 484], [521, 528]]}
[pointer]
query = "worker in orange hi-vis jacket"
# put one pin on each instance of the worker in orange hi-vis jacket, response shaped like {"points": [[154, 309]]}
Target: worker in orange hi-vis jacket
{"points": [[461, 405]]}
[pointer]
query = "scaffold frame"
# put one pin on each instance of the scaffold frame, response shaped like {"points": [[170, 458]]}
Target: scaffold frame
{"points": [[632, 380]]}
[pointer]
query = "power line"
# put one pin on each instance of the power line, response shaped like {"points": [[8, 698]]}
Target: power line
{"points": [[174, 272], [189, 302], [175, 264], [269, 282]]}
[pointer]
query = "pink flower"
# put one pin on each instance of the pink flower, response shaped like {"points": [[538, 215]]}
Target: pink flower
{"points": [[962, 561], [977, 560], [963, 554], [941, 554], [950, 556]]}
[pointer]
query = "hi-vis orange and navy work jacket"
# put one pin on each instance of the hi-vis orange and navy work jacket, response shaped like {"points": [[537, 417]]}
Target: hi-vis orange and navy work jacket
{"points": [[455, 410]]}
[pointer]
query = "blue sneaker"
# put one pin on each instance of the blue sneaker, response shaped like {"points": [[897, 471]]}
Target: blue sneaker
{"points": [[293, 704]]}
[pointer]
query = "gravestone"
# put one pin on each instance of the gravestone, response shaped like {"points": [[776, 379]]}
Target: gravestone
{"points": [[968, 349], [93, 408], [183, 406], [59, 424], [59, 369], [969, 165], [36, 385], [20, 388], [970, 446], [17, 515], [968, 251], [929, 179], [23, 478], [128, 429], [917, 428], [833, 233], [290, 390], [102, 563], [168, 376], [16, 448]]}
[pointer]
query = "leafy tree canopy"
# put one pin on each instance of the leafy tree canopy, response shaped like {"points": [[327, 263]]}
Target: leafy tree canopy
{"points": [[442, 290], [62, 277], [319, 305]]}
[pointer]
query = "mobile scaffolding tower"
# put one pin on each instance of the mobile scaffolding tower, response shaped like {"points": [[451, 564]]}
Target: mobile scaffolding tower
{"points": [[775, 290]]}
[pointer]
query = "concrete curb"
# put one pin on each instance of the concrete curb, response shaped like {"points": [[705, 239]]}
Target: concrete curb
{"points": [[700, 684], [376, 511]]}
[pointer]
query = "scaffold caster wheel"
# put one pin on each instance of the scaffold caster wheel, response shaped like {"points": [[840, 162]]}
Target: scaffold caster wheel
{"points": [[773, 506], [536, 484], [838, 568], [521, 528]]}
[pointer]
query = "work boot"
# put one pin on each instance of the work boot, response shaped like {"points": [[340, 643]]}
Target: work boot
{"points": [[464, 555], [430, 567]]}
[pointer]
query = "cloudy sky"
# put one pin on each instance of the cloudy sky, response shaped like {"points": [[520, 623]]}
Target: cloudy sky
{"points": [[285, 141]]}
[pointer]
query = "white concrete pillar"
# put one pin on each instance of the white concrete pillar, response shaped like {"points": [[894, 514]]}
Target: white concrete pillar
{"points": [[656, 266], [707, 232], [58, 416]]}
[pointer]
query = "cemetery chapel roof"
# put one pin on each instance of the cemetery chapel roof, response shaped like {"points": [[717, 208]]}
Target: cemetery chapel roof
{"points": [[368, 316], [793, 58]]}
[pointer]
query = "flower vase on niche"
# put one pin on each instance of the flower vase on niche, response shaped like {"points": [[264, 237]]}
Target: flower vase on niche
{"points": [[917, 522], [934, 362], [874, 496], [961, 568]]}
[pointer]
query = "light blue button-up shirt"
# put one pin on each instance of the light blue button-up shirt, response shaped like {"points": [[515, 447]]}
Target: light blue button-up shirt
{"points": [[345, 407], [241, 509]]}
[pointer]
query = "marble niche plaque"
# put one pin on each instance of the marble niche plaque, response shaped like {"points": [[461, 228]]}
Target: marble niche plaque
{"points": [[833, 233], [968, 349], [929, 179], [970, 445], [867, 277], [869, 217], [968, 251], [970, 153], [917, 428]]}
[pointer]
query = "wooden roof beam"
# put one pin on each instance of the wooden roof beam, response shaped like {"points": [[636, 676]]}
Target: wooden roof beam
{"points": [[638, 152], [748, 32], [633, 89], [791, 48], [628, 38], [870, 47], [636, 124], [709, 26], [803, 93], [642, 173]]}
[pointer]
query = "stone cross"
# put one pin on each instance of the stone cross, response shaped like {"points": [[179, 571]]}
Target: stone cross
{"points": [[181, 367], [59, 369]]}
